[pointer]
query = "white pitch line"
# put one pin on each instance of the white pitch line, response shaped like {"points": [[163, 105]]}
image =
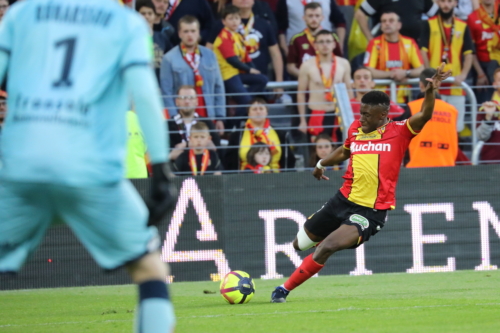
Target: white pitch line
{"points": [[263, 314]]}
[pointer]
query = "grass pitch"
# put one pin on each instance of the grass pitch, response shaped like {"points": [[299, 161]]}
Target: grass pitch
{"points": [[464, 301]]}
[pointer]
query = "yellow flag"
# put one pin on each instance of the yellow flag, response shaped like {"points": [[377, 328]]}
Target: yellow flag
{"points": [[357, 42]]}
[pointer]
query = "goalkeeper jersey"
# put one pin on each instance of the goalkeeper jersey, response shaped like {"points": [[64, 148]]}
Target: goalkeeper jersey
{"points": [[67, 97]]}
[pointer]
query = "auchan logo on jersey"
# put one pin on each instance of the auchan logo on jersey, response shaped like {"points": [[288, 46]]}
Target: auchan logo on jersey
{"points": [[370, 147]]}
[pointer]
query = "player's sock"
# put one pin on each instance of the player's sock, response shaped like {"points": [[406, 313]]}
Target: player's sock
{"points": [[308, 268], [155, 312]]}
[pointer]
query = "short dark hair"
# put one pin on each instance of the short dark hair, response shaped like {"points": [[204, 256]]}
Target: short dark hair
{"points": [[229, 10], [391, 12], [376, 98], [312, 5], [427, 74], [187, 19], [324, 32], [254, 149], [257, 100], [145, 3]]}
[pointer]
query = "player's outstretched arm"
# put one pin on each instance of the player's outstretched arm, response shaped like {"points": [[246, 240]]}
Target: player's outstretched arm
{"points": [[338, 156], [142, 85], [418, 121]]}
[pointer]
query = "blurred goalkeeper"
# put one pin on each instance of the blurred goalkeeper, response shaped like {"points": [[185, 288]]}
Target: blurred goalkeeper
{"points": [[375, 147], [73, 66]]}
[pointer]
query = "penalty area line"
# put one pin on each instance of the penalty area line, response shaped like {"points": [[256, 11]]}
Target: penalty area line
{"points": [[338, 310]]}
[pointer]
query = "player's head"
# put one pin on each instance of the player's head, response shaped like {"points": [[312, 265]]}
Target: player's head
{"points": [[161, 7], [390, 23], [374, 110], [259, 154], [446, 8], [257, 112], [363, 81], [4, 5], [189, 30], [426, 74], [324, 43], [3, 106], [147, 9], [199, 137], [244, 4], [186, 100], [231, 18], [313, 15]]}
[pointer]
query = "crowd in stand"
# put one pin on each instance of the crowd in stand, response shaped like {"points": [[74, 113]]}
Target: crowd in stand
{"points": [[214, 58]]}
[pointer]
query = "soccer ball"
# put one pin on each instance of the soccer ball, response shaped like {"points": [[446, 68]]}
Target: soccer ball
{"points": [[237, 287]]}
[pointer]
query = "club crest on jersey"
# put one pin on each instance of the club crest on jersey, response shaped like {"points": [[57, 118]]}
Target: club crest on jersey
{"points": [[358, 219], [381, 130], [370, 147]]}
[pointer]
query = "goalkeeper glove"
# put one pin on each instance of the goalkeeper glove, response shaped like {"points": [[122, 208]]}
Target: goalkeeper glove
{"points": [[163, 193]]}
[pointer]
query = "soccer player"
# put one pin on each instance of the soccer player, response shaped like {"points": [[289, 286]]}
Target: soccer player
{"points": [[72, 67], [375, 147]]}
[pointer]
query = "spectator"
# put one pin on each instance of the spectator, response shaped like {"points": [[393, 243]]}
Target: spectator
{"points": [[236, 66], [488, 130], [301, 46], [136, 165], [198, 156], [291, 18], [322, 148], [259, 38], [259, 158], [318, 76], [161, 25], [200, 9], [437, 143], [464, 9], [194, 65], [394, 56], [409, 11], [447, 39], [179, 127], [4, 6], [258, 129], [485, 29], [496, 85], [363, 83], [161, 42]]}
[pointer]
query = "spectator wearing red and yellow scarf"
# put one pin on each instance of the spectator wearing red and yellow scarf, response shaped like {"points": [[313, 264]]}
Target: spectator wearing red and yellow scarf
{"points": [[257, 128]]}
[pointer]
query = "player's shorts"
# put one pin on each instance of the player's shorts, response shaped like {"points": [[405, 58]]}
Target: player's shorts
{"points": [[110, 221], [338, 210]]}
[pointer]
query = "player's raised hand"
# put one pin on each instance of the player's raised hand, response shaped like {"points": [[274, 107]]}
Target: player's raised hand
{"points": [[163, 193], [435, 81], [319, 174]]}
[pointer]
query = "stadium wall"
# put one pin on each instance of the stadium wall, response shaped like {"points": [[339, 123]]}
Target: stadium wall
{"points": [[446, 219]]}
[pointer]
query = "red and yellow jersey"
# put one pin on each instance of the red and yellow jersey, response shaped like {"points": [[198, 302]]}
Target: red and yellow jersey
{"points": [[461, 45], [373, 171], [388, 56], [229, 44], [484, 37]]}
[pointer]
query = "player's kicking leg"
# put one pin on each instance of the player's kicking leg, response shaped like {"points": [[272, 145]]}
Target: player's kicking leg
{"points": [[346, 236]]}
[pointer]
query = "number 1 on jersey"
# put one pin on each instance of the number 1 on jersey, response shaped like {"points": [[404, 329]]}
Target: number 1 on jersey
{"points": [[69, 44]]}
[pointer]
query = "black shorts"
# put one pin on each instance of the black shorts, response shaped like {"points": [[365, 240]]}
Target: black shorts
{"points": [[338, 210]]}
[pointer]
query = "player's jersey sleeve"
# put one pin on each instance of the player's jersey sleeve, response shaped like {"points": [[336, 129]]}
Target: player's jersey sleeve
{"points": [[371, 55], [404, 128], [139, 48], [352, 129], [415, 55]]}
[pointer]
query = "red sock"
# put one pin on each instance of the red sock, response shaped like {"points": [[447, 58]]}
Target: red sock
{"points": [[308, 268]]}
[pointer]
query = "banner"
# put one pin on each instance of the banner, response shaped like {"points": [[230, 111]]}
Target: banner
{"points": [[446, 219]]}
